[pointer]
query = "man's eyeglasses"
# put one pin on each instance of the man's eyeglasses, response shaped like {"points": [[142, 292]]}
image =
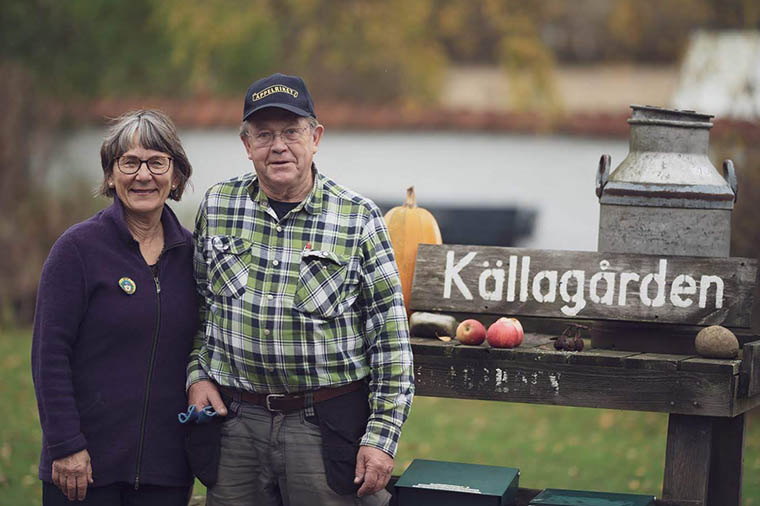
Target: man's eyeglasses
{"points": [[263, 138], [156, 164]]}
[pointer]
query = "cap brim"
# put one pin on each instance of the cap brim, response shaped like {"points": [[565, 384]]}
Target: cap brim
{"points": [[287, 107]]}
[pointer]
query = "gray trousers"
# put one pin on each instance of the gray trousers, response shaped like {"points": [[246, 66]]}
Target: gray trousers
{"points": [[275, 459]]}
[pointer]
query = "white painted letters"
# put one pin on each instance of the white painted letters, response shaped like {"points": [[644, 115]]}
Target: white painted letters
{"points": [[551, 294], [625, 278], [498, 277], [524, 275], [512, 278], [678, 289], [509, 280], [609, 279], [577, 297], [452, 274], [704, 285], [658, 278]]}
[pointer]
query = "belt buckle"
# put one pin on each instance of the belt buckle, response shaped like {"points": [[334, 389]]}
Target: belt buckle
{"points": [[269, 397]]}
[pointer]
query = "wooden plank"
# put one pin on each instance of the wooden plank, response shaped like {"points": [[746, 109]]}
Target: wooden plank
{"points": [[535, 347], [531, 340], [541, 382], [725, 482], [745, 336], [432, 347], [661, 361], [687, 459], [650, 337], [743, 404], [750, 370], [555, 326], [438, 347], [653, 342], [546, 354], [698, 364], [593, 356], [513, 281]]}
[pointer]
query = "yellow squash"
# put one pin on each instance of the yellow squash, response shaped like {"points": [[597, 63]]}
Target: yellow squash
{"points": [[410, 226]]}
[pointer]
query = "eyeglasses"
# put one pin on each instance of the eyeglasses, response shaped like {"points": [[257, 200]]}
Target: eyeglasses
{"points": [[264, 138], [156, 164]]}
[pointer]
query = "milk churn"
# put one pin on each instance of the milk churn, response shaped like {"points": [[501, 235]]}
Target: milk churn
{"points": [[666, 198]]}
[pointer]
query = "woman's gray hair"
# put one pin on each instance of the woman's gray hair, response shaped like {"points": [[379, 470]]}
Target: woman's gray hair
{"points": [[150, 129], [243, 132]]}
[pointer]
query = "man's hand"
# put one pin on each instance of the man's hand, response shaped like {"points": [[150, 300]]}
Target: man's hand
{"points": [[373, 467], [72, 474], [204, 393]]}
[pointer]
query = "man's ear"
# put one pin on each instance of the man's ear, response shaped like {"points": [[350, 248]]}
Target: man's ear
{"points": [[316, 136], [247, 144]]}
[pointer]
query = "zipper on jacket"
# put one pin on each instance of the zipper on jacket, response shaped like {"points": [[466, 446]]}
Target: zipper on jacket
{"points": [[147, 383]]}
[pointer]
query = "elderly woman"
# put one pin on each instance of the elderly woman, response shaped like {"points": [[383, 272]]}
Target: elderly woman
{"points": [[115, 317]]}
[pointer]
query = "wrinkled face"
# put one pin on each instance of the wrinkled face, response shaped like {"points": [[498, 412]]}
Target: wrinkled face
{"points": [[143, 192], [282, 159]]}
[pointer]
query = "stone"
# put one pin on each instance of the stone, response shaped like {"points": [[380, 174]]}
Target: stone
{"points": [[716, 342], [432, 325]]}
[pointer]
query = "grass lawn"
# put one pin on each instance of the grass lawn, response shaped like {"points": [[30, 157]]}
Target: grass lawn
{"points": [[581, 448]]}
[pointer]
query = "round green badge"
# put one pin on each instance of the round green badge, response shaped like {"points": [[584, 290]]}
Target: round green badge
{"points": [[127, 285]]}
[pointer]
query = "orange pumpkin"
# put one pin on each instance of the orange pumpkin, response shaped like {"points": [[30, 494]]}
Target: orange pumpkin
{"points": [[410, 226]]}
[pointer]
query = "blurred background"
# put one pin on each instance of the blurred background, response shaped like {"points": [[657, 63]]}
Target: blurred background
{"points": [[496, 111]]}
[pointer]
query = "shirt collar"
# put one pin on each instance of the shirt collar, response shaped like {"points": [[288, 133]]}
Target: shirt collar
{"points": [[312, 204]]}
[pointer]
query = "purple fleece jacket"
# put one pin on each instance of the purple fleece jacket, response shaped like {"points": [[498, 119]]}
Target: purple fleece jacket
{"points": [[109, 367]]}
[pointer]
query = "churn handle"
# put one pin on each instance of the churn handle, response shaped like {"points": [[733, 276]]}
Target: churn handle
{"points": [[603, 173], [729, 174]]}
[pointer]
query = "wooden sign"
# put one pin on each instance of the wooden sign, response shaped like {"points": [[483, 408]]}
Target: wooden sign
{"points": [[589, 285]]}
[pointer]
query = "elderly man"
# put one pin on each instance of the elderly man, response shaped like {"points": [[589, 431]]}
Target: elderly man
{"points": [[304, 341]]}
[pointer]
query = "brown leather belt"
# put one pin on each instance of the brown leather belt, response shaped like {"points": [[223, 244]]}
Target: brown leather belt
{"points": [[291, 402]]}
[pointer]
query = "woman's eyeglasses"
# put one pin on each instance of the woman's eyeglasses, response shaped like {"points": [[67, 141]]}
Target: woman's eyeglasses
{"points": [[156, 164]]}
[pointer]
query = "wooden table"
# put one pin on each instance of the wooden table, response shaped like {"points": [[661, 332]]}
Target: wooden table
{"points": [[706, 399]]}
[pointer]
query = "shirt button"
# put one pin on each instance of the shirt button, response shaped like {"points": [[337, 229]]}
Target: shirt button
{"points": [[271, 369], [275, 262], [267, 332], [270, 296], [279, 228]]}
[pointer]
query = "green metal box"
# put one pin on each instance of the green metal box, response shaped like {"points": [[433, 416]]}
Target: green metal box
{"points": [[557, 497], [429, 482]]}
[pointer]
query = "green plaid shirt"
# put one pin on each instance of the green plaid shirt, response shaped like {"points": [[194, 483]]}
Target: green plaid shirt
{"points": [[312, 300]]}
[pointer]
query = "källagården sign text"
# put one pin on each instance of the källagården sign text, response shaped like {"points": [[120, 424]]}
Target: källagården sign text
{"points": [[574, 284]]}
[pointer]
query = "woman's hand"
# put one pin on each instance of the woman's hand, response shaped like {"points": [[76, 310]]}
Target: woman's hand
{"points": [[72, 474]]}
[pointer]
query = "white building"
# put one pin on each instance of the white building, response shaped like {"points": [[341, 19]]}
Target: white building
{"points": [[720, 75]]}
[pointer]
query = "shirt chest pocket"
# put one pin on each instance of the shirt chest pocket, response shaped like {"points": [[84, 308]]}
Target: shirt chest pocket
{"points": [[229, 259], [325, 286]]}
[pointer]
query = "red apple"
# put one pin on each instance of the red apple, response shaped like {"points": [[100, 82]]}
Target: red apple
{"points": [[471, 332], [519, 326], [505, 333]]}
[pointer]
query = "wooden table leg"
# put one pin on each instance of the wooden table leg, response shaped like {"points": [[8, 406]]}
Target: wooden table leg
{"points": [[725, 485], [687, 459]]}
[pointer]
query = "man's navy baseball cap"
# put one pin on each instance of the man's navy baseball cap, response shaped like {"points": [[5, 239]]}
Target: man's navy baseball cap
{"points": [[279, 90]]}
